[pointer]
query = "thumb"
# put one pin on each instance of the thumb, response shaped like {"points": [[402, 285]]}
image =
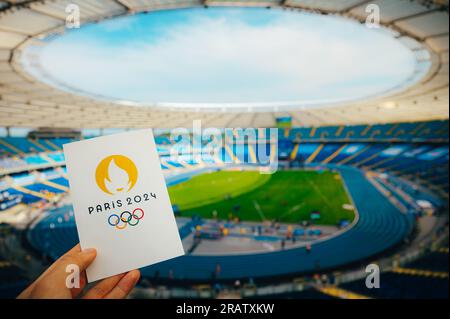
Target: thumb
{"points": [[82, 258]]}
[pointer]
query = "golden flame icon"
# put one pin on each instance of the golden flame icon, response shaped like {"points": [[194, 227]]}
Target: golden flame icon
{"points": [[116, 174]]}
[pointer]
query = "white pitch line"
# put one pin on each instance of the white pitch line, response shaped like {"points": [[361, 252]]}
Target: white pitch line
{"points": [[258, 209], [320, 193], [293, 209]]}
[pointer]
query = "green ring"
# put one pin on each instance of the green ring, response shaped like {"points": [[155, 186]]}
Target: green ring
{"points": [[137, 222]]}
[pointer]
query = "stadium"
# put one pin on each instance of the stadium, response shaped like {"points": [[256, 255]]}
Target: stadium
{"points": [[301, 140]]}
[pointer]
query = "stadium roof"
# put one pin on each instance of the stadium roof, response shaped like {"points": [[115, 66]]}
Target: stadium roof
{"points": [[27, 102]]}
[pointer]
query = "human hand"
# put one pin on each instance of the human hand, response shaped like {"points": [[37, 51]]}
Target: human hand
{"points": [[52, 283]]}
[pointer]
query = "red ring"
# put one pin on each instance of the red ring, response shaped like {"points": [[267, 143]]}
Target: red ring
{"points": [[142, 211]]}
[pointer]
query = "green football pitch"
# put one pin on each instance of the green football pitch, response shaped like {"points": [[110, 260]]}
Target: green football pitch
{"points": [[288, 196]]}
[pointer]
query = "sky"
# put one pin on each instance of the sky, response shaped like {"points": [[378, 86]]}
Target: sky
{"points": [[234, 55]]}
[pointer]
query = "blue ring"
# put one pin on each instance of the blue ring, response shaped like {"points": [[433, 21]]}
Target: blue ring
{"points": [[118, 220]]}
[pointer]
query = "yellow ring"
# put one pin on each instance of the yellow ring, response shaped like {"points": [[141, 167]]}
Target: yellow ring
{"points": [[122, 227]]}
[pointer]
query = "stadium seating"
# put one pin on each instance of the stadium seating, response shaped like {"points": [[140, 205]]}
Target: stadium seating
{"points": [[424, 278], [35, 160], [60, 181], [57, 157], [23, 145], [434, 261], [11, 163], [394, 286], [419, 131], [20, 145], [32, 189], [305, 294], [419, 163], [8, 200], [12, 280]]}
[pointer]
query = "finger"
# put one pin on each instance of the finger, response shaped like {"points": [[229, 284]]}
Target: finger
{"points": [[124, 286], [74, 249], [27, 291], [83, 281], [82, 259], [103, 287]]}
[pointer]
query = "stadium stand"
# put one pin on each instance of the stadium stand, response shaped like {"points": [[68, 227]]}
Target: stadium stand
{"points": [[12, 281], [8, 200], [413, 285], [12, 278], [305, 294]]}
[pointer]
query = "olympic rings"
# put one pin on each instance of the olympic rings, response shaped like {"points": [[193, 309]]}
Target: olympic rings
{"points": [[126, 218]]}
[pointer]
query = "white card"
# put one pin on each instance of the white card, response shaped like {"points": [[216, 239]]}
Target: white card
{"points": [[121, 204]]}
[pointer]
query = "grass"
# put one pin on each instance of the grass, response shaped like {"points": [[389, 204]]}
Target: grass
{"points": [[289, 196], [214, 187]]}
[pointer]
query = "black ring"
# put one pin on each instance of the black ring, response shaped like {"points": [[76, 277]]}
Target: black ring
{"points": [[129, 217]]}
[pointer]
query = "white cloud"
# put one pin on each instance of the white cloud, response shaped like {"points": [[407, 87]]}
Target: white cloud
{"points": [[294, 57]]}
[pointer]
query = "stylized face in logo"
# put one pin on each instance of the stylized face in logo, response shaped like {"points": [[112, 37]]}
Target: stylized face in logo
{"points": [[116, 174]]}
